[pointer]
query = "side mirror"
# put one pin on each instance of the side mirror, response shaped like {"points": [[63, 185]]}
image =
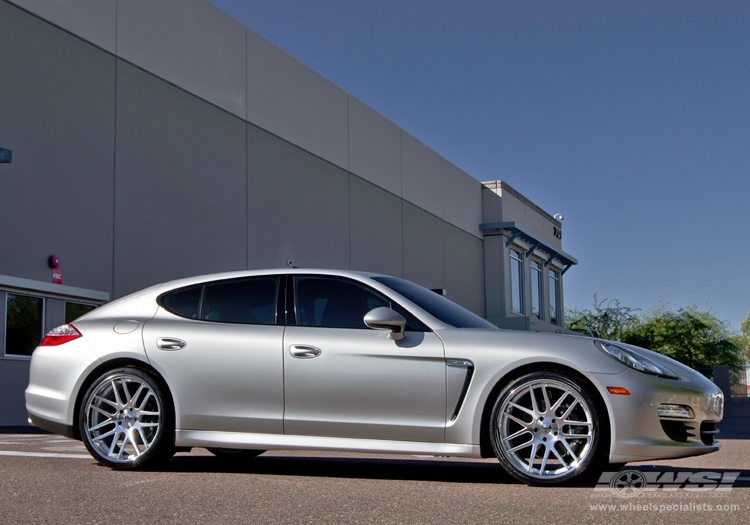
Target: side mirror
{"points": [[387, 319]]}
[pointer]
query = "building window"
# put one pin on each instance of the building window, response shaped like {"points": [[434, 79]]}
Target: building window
{"points": [[554, 293], [23, 324], [537, 286], [516, 281], [75, 310]]}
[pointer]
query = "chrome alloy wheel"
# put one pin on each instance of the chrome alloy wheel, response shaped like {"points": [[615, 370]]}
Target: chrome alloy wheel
{"points": [[545, 428], [123, 417]]}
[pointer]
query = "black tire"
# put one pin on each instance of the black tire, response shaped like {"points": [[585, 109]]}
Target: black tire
{"points": [[235, 453], [545, 429], [126, 420]]}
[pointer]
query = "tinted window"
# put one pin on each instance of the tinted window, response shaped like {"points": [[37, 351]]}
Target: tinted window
{"points": [[23, 324], [75, 310], [244, 301], [334, 303], [437, 305], [185, 302]]}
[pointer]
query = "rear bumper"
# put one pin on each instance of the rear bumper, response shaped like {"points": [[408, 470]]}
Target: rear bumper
{"points": [[53, 426]]}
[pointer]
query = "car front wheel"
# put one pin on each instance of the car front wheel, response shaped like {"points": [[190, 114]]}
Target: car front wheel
{"points": [[545, 428], [126, 420]]}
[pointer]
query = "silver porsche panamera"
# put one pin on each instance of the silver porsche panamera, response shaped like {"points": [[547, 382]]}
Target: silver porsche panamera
{"points": [[245, 362]]}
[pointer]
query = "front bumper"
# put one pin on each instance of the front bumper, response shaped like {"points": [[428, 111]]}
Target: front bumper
{"points": [[640, 434]]}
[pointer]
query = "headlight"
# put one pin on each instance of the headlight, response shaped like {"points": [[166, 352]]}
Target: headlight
{"points": [[634, 360]]}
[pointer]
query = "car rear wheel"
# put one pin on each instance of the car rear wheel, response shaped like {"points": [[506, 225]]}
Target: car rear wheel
{"points": [[126, 420], [545, 429]]}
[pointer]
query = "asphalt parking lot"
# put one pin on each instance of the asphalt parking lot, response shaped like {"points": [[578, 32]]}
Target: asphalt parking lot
{"points": [[50, 479]]}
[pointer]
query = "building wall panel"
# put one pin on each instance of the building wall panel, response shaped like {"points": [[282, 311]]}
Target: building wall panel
{"points": [[376, 229], [180, 184], [190, 43], [424, 247], [298, 206], [374, 147], [422, 175], [57, 114], [294, 102], [462, 199], [464, 269], [92, 20]]}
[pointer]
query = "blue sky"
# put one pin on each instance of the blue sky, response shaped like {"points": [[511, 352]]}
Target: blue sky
{"points": [[631, 118]]}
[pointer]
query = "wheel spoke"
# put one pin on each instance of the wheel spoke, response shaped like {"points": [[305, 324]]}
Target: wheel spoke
{"points": [[522, 446], [117, 395], [575, 457], [114, 443], [546, 398], [534, 405], [517, 434], [543, 466], [517, 420], [559, 402], [109, 421], [576, 436], [569, 410], [100, 399], [145, 399], [532, 456], [125, 389], [523, 409], [107, 414], [105, 435], [559, 458], [144, 441]]}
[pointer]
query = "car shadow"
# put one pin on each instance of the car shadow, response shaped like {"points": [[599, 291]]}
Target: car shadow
{"points": [[412, 469]]}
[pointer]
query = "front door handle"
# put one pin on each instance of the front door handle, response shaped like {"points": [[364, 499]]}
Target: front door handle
{"points": [[170, 343], [304, 351]]}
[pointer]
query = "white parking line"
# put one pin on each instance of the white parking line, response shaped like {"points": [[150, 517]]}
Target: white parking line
{"points": [[43, 454]]}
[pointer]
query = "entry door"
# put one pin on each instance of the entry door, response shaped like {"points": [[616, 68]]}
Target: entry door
{"points": [[220, 351], [343, 379]]}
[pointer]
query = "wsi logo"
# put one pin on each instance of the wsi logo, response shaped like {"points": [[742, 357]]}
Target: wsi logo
{"points": [[631, 483]]}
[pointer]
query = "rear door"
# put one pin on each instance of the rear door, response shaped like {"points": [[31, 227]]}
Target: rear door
{"points": [[219, 347]]}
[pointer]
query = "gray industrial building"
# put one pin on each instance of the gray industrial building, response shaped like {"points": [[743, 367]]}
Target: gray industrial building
{"points": [[145, 141]]}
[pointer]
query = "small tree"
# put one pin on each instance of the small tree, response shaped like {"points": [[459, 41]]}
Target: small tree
{"points": [[742, 340], [608, 320], [695, 338]]}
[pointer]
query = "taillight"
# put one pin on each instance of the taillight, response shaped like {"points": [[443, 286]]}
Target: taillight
{"points": [[61, 334]]}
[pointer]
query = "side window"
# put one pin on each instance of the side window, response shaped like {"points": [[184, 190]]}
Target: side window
{"points": [[334, 303], [241, 301], [185, 302]]}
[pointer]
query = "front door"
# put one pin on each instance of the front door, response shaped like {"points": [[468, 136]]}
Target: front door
{"points": [[343, 379]]}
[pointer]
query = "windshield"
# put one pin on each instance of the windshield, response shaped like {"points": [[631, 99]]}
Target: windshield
{"points": [[436, 305]]}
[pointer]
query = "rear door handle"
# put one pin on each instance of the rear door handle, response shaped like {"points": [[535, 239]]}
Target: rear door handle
{"points": [[304, 351], [170, 343]]}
